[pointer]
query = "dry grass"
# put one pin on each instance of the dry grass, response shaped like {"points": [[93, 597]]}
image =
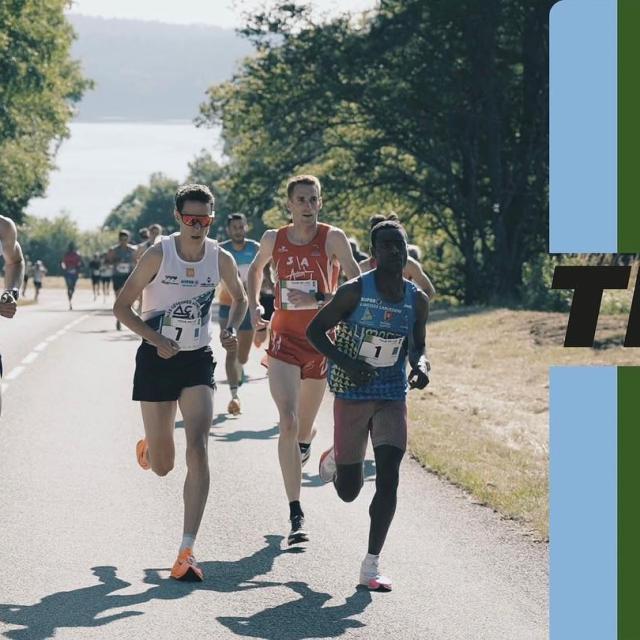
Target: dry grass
{"points": [[483, 421]]}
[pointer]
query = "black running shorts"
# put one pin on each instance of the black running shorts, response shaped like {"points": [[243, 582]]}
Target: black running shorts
{"points": [[159, 380]]}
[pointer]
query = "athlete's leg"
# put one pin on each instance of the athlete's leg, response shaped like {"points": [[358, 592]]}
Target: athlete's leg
{"points": [[196, 405], [284, 383], [348, 480], [245, 338], [383, 505], [159, 421], [311, 394]]}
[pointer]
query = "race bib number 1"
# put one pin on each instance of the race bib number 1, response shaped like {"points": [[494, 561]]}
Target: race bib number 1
{"points": [[380, 352]]}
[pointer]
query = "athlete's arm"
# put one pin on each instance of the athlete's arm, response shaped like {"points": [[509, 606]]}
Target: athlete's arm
{"points": [[141, 276], [339, 247], [13, 264], [341, 306], [231, 280], [419, 374], [255, 275], [415, 272]]}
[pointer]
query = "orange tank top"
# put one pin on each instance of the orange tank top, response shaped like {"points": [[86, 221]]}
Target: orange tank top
{"points": [[300, 266]]}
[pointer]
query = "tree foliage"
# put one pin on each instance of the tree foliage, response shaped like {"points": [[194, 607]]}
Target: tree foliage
{"points": [[155, 201], [435, 109], [38, 85]]}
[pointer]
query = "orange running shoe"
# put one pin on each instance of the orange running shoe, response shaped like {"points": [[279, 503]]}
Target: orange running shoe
{"points": [[141, 453], [186, 568]]}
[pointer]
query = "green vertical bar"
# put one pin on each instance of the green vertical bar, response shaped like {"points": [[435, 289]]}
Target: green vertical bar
{"points": [[628, 503], [628, 125]]}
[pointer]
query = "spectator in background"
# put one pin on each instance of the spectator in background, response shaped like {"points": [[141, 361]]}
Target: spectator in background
{"points": [[413, 270], [94, 267], [39, 272], [28, 273], [71, 265]]}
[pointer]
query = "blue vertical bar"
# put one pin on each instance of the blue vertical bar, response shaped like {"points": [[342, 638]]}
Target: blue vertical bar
{"points": [[583, 149], [583, 503]]}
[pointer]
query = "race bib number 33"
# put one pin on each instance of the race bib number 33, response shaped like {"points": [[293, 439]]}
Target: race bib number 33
{"points": [[307, 286]]}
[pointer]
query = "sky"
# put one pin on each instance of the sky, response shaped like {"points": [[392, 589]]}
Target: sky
{"points": [[222, 13]]}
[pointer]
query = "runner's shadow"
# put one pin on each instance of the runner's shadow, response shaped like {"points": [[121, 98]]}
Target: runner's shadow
{"points": [[236, 436], [369, 473], [218, 419], [82, 608], [306, 617], [77, 608]]}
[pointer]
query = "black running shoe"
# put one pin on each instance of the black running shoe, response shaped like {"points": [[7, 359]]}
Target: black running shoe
{"points": [[298, 533]]}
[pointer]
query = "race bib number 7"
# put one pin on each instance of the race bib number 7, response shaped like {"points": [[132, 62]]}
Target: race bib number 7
{"points": [[380, 352], [182, 323]]}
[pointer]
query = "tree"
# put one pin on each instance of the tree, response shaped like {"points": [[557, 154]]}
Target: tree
{"points": [[38, 85], [436, 109]]}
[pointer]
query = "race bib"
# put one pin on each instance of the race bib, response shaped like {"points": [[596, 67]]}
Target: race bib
{"points": [[96, 272], [71, 272], [243, 272], [380, 352], [182, 323], [122, 268], [308, 286]]}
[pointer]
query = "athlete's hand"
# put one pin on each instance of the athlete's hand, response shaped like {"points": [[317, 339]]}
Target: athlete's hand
{"points": [[258, 322], [419, 375], [8, 309], [229, 340], [301, 299], [360, 372], [166, 347]]}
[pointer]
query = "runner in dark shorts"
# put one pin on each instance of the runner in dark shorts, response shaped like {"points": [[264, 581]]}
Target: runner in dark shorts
{"points": [[380, 320]]}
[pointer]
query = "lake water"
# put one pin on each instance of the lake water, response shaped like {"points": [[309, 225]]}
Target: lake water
{"points": [[103, 161]]}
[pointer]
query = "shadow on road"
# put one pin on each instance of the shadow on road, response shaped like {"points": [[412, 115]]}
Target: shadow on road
{"points": [[306, 617], [369, 473], [247, 434], [236, 436], [83, 608]]}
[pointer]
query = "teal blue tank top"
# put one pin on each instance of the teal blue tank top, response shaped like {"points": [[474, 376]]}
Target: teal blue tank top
{"points": [[376, 332]]}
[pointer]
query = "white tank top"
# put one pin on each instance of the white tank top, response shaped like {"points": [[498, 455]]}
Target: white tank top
{"points": [[177, 303]]}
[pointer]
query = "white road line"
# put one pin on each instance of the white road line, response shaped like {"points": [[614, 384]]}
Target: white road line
{"points": [[14, 373], [28, 359]]}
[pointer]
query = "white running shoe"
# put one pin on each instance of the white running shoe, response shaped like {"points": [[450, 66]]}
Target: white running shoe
{"points": [[371, 577], [327, 466]]}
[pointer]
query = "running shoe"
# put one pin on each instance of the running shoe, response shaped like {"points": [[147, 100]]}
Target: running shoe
{"points": [[298, 533], [141, 453], [234, 407], [371, 577], [327, 466], [306, 454], [186, 568]]}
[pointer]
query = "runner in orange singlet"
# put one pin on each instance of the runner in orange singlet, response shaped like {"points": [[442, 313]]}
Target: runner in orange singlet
{"points": [[306, 257]]}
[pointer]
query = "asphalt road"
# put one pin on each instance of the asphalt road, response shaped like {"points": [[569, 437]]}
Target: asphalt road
{"points": [[87, 539]]}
